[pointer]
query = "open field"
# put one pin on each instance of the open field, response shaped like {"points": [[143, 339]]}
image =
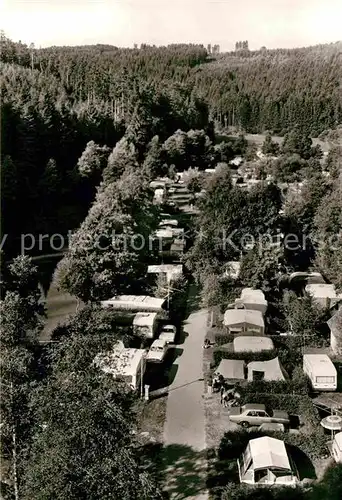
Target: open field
{"points": [[259, 139]]}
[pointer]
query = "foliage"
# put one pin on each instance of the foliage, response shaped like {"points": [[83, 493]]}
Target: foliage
{"points": [[193, 180], [260, 267], [49, 118], [191, 149], [83, 445], [302, 207], [295, 142], [330, 486], [288, 168], [246, 492], [108, 253], [21, 323], [229, 219], [304, 318], [269, 147], [93, 159], [327, 236], [217, 290], [96, 93], [333, 162]]}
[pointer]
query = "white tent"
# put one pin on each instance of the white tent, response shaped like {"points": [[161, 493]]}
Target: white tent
{"points": [[269, 452], [231, 369], [270, 370], [265, 461]]}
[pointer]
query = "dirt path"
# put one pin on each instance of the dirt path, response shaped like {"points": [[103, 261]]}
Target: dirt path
{"points": [[184, 431], [59, 306]]}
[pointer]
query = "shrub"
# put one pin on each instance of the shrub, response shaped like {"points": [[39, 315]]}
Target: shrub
{"points": [[247, 492], [234, 443], [331, 485], [224, 339], [292, 403]]}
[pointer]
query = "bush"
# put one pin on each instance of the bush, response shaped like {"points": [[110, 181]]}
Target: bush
{"points": [[331, 485], [223, 478], [288, 350], [234, 443], [298, 385], [224, 339], [294, 404], [247, 492]]}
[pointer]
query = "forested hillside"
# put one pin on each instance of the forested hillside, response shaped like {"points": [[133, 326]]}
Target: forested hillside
{"points": [[262, 90], [56, 100]]}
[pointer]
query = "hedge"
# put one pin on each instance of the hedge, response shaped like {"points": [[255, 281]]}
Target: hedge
{"points": [[295, 404], [234, 443], [224, 339], [299, 384], [223, 473], [288, 350], [248, 492]]}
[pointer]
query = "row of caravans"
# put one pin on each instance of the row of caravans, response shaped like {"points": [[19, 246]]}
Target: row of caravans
{"points": [[125, 363]]}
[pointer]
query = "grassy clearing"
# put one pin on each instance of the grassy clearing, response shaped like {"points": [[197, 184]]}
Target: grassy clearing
{"points": [[152, 416]]}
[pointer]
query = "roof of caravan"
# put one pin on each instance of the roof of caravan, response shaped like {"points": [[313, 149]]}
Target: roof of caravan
{"points": [[124, 362], [237, 316], [252, 343], [144, 319], [168, 222], [269, 452], [134, 300], [323, 290], [163, 233], [165, 268], [338, 440], [321, 363], [253, 295], [335, 320]]}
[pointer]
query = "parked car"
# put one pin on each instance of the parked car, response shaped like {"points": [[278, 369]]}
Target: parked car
{"points": [[255, 414], [168, 333], [157, 351]]}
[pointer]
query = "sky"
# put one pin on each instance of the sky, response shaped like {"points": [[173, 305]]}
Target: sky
{"points": [[270, 23]]}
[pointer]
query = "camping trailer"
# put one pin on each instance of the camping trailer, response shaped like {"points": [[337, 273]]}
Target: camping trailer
{"points": [[321, 372], [145, 324], [336, 447], [126, 364]]}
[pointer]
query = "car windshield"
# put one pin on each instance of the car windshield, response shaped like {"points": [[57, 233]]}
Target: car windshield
{"points": [[157, 348]]}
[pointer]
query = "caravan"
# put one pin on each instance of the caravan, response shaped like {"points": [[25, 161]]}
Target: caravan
{"points": [[321, 372], [126, 364]]}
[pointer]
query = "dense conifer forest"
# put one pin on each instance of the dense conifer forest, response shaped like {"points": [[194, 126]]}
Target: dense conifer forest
{"points": [[56, 100], [84, 133]]}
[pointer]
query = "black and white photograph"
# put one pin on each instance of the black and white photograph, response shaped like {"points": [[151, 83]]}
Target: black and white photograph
{"points": [[171, 250]]}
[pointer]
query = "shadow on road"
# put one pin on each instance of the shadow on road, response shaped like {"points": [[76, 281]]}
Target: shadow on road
{"points": [[193, 302], [185, 471], [182, 336]]}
